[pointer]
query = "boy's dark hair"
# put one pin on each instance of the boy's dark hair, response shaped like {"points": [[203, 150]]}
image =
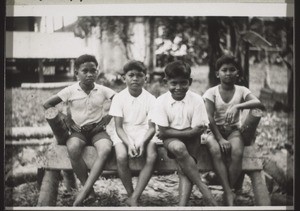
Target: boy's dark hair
{"points": [[227, 59], [85, 58], [134, 65], [178, 69]]}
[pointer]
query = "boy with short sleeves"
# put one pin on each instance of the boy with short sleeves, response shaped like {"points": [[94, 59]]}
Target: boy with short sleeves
{"points": [[181, 118], [224, 103], [132, 109], [86, 122]]}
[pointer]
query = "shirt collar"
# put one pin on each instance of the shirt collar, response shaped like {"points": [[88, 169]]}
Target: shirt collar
{"points": [[132, 97], [172, 101], [80, 89]]}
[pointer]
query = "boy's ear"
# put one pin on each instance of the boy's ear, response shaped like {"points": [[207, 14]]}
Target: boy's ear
{"points": [[164, 80], [190, 81], [76, 72], [217, 74], [123, 77]]}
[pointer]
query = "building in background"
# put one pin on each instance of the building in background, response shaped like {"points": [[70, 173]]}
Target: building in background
{"points": [[41, 49]]}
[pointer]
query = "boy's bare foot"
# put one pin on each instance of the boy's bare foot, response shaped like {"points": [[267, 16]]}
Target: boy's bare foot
{"points": [[81, 199], [132, 203], [210, 202], [229, 199]]}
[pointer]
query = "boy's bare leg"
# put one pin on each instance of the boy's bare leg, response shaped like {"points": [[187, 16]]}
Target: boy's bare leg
{"points": [[145, 174], [185, 188], [103, 148], [189, 168], [220, 168], [123, 167], [237, 149], [75, 147]]}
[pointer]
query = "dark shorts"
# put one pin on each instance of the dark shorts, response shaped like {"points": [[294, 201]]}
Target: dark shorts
{"points": [[226, 131], [90, 137], [191, 146]]}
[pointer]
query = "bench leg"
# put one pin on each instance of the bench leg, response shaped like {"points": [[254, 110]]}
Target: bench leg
{"points": [[49, 188], [40, 176], [261, 194]]}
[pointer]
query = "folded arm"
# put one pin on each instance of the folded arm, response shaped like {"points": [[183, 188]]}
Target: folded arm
{"points": [[167, 132]]}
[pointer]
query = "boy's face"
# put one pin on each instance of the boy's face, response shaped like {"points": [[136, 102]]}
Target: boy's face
{"points": [[135, 79], [178, 87], [227, 73], [87, 73]]}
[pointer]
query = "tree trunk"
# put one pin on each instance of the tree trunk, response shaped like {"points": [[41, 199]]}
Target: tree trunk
{"points": [[149, 37], [214, 51], [61, 134]]}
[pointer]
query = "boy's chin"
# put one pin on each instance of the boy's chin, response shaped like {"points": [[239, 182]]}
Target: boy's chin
{"points": [[135, 88], [178, 97]]}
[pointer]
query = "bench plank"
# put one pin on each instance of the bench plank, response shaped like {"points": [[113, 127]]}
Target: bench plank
{"points": [[57, 158]]}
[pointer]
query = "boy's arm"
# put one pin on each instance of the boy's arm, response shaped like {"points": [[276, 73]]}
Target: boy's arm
{"points": [[148, 136], [167, 132], [122, 135], [250, 102], [52, 102], [224, 144], [106, 119]]}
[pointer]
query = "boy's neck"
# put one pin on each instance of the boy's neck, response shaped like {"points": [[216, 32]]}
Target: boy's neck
{"points": [[86, 87], [227, 86], [135, 92]]}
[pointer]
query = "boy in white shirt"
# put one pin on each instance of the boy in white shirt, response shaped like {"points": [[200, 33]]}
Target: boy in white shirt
{"points": [[181, 118], [132, 109], [86, 121]]}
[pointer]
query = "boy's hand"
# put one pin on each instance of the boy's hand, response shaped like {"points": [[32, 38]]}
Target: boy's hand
{"points": [[140, 149], [132, 151], [104, 121], [161, 135], [198, 130], [72, 125], [225, 146], [230, 114]]}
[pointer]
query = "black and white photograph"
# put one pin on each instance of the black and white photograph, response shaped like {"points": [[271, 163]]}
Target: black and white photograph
{"points": [[149, 105]]}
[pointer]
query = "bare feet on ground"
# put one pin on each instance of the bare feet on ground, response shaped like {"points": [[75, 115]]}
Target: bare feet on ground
{"points": [[81, 198], [132, 203], [229, 199]]}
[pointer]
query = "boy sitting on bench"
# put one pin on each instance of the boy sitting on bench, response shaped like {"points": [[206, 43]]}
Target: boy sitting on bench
{"points": [[87, 123], [181, 118]]}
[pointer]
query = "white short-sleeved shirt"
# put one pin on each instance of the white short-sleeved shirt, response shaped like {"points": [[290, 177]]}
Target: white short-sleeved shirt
{"points": [[189, 112], [135, 111], [85, 108], [239, 96]]}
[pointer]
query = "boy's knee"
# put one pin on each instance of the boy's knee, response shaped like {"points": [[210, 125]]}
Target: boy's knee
{"points": [[178, 149], [237, 154], [104, 149], [74, 149], [122, 158], [214, 149]]}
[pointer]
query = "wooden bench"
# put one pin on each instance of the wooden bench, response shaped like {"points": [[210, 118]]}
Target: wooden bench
{"points": [[56, 159]]}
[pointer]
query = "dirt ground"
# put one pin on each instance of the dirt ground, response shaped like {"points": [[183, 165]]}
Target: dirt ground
{"points": [[162, 191]]}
